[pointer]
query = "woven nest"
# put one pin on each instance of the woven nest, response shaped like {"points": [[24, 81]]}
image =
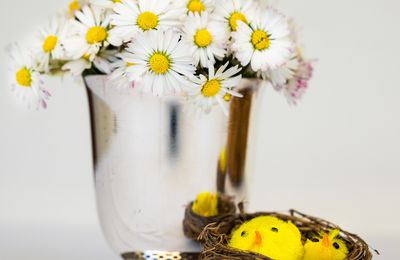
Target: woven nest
{"points": [[194, 224], [216, 235]]}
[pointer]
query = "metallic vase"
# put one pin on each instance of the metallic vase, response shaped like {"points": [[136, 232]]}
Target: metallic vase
{"points": [[152, 155]]}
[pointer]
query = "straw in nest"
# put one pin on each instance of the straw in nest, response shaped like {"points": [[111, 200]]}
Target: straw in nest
{"points": [[194, 224], [216, 235]]}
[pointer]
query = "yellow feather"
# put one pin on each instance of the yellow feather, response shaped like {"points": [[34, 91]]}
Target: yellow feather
{"points": [[206, 204], [269, 236], [326, 247]]}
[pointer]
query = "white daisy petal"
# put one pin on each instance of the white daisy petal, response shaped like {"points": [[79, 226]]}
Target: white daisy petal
{"points": [[264, 42], [164, 64], [133, 16], [203, 35], [87, 41], [216, 88], [27, 83], [50, 45]]}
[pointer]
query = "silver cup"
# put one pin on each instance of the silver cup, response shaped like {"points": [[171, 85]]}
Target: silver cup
{"points": [[153, 155]]}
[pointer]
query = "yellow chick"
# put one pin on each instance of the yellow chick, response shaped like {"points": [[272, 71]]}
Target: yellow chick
{"points": [[206, 204], [326, 247], [269, 236]]}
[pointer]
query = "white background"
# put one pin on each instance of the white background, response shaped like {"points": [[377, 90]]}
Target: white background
{"points": [[336, 155]]}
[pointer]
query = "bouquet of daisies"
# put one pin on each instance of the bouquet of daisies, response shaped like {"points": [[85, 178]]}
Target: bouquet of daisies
{"points": [[199, 49]]}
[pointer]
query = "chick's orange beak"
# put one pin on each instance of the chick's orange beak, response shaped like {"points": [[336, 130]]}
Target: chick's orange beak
{"points": [[258, 238], [325, 240]]}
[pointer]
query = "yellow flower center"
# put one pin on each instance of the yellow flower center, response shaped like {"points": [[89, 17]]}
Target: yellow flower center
{"points": [[73, 6], [49, 43], [235, 17], [159, 63], [86, 56], [202, 38], [195, 6], [260, 40], [227, 97], [116, 1], [96, 34], [23, 77], [147, 21], [211, 88]]}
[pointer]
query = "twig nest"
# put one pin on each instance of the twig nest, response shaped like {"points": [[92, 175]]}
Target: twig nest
{"points": [[194, 224], [215, 236]]}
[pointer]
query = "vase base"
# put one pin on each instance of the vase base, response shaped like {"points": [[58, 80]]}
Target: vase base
{"points": [[155, 255]]}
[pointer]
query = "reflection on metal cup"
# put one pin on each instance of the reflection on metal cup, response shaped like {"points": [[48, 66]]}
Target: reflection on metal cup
{"points": [[152, 155]]}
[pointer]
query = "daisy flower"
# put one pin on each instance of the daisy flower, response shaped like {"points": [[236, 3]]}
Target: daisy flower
{"points": [[76, 67], [50, 44], [102, 61], [91, 26], [297, 86], [217, 88], [280, 76], [119, 76], [76, 5], [197, 6], [229, 12], [27, 83], [161, 62], [205, 37], [264, 42], [131, 17]]}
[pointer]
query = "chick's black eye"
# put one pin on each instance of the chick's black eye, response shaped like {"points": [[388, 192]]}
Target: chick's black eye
{"points": [[336, 245], [274, 229], [315, 240], [243, 234]]}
